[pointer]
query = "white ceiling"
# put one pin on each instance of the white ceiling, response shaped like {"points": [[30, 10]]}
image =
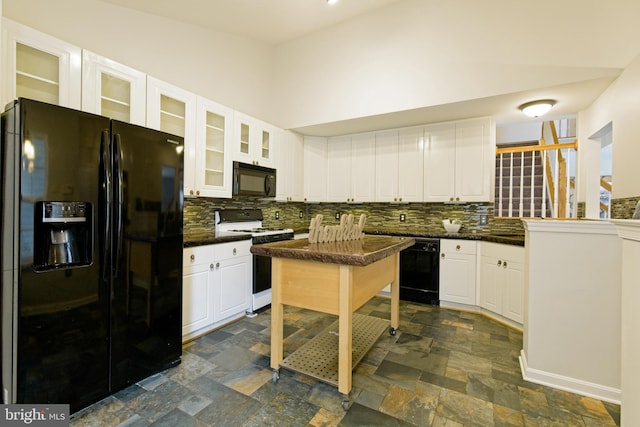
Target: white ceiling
{"points": [[269, 21], [607, 27]]}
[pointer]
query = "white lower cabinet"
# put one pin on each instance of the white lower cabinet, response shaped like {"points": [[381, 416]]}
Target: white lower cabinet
{"points": [[232, 279], [458, 271], [502, 280], [216, 285], [197, 290]]}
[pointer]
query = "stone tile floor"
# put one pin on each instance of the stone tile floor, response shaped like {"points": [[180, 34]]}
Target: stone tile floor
{"points": [[443, 368]]}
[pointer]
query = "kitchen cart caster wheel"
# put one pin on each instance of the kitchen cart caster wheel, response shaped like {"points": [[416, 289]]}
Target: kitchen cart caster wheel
{"points": [[275, 376], [392, 331], [346, 403]]}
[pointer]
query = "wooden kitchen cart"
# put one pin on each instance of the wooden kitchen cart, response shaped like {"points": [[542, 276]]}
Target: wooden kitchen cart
{"points": [[335, 278]]}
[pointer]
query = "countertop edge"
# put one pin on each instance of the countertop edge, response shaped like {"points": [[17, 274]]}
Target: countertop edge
{"points": [[192, 241], [515, 240], [318, 254]]}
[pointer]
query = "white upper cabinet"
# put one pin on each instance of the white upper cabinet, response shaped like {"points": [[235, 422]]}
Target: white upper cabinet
{"points": [[351, 169], [439, 163], [40, 67], [289, 184], [173, 110], [339, 169], [399, 162], [113, 90], [475, 159], [458, 158], [315, 169], [254, 141], [213, 162]]}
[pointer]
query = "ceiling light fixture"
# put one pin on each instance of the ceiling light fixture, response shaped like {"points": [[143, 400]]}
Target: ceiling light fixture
{"points": [[537, 108], [332, 1]]}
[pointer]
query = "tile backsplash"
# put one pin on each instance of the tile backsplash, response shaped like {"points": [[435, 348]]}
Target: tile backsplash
{"points": [[422, 217], [623, 208]]}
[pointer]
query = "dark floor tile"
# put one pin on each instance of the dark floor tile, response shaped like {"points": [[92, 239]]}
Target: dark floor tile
{"points": [[229, 408], [176, 418], [358, 416], [614, 411], [395, 373], [216, 336], [283, 410], [464, 409], [444, 382], [443, 368], [288, 382]]}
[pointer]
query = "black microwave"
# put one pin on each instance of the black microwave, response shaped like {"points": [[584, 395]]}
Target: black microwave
{"points": [[253, 180]]}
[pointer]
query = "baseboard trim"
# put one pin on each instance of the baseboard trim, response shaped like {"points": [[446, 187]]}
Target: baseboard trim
{"points": [[573, 385]]}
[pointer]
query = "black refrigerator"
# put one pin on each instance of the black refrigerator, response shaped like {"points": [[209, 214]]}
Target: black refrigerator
{"points": [[91, 254]]}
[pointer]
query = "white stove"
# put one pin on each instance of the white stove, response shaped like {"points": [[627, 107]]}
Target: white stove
{"points": [[249, 221]]}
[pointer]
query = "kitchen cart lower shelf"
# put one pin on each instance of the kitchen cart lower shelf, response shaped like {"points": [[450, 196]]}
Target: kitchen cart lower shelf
{"points": [[318, 358]]}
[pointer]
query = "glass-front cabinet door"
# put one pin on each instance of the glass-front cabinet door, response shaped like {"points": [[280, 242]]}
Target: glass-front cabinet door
{"points": [[173, 110], [40, 67], [213, 161], [112, 89], [253, 141]]}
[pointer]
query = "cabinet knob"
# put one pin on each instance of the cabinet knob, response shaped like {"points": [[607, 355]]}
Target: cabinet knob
{"points": [[457, 199], [217, 265], [234, 251], [211, 266], [451, 199], [197, 192], [442, 255], [457, 247], [499, 262], [191, 192], [504, 264], [192, 257], [400, 199]]}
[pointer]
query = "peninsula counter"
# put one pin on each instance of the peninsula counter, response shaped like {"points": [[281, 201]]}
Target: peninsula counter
{"points": [[335, 278]]}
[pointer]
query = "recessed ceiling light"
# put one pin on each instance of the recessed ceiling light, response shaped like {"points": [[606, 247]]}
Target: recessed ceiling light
{"points": [[537, 108], [332, 1]]}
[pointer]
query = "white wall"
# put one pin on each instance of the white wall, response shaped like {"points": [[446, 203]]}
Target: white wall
{"points": [[230, 70], [572, 329], [620, 105], [629, 230], [383, 62]]}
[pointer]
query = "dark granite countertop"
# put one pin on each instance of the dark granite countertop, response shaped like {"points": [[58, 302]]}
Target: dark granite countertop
{"points": [[504, 238], [353, 252], [508, 239], [202, 239]]}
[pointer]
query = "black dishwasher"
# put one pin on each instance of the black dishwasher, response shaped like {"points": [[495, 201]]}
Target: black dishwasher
{"points": [[419, 272]]}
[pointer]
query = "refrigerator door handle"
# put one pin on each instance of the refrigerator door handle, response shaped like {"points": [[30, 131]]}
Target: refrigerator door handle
{"points": [[106, 161], [118, 172]]}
